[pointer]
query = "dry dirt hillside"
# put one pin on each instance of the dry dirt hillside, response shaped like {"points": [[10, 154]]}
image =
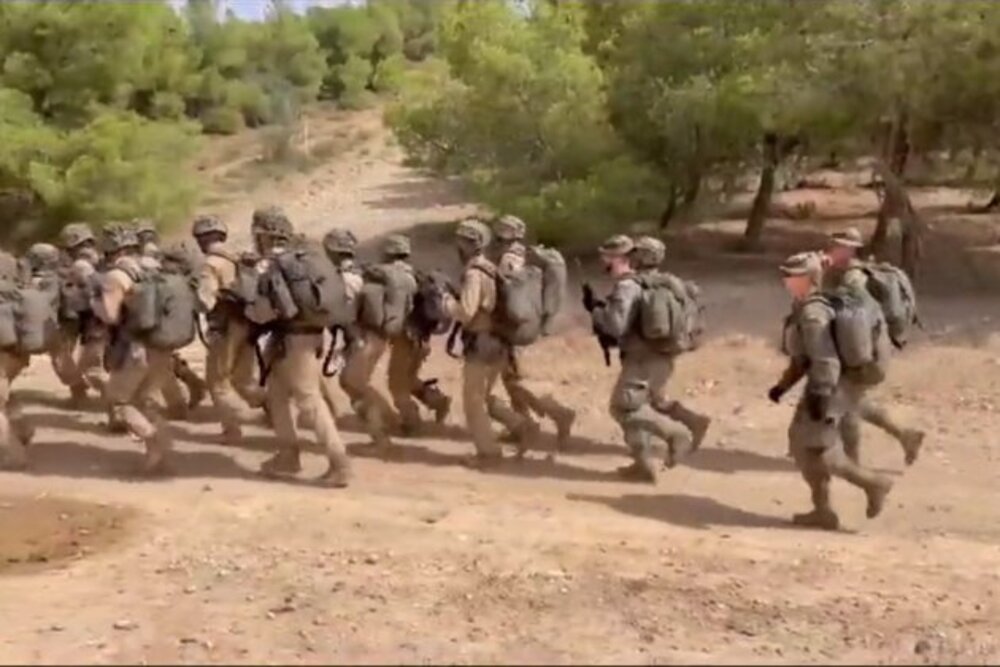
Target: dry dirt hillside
{"points": [[424, 561]]}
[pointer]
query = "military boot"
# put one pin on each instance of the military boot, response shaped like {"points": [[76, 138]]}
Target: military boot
{"points": [[285, 462], [155, 462], [876, 497], [431, 395], [641, 470], [78, 396], [338, 472], [698, 425], [912, 441], [528, 434], [824, 519]]}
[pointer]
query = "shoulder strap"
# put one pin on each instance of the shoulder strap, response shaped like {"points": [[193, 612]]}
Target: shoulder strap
{"points": [[224, 254]]}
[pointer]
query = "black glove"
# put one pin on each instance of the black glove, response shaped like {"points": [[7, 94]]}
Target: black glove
{"points": [[817, 405], [775, 393], [589, 302]]}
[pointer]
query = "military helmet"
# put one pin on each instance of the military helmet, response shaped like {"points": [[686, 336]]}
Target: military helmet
{"points": [[76, 234], [208, 224], [340, 242], [617, 246], [119, 237], [509, 228], [272, 221], [43, 257], [649, 252], [396, 245], [850, 238], [803, 264], [473, 232], [145, 226]]}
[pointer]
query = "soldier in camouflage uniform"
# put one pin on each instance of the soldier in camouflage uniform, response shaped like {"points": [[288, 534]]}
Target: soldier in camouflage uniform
{"points": [[341, 247], [510, 255], [815, 433], [485, 355], [230, 359], [643, 374], [78, 242], [843, 269], [197, 389], [647, 258], [293, 356], [137, 372]]}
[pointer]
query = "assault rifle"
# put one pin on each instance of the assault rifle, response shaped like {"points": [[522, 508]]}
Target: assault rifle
{"points": [[590, 302]]}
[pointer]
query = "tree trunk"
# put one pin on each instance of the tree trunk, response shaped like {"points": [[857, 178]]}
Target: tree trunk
{"points": [[670, 209], [897, 204], [762, 200]]}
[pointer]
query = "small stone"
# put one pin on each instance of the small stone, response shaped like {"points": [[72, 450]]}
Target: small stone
{"points": [[371, 559], [55, 627], [188, 590], [188, 640], [922, 647], [125, 624]]}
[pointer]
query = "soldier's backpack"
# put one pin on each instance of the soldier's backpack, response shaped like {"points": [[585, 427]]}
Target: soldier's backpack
{"points": [[244, 288], [29, 319], [893, 290], [387, 298], [529, 299], [305, 287], [10, 269], [162, 309], [858, 330], [430, 315], [671, 315], [74, 295], [554, 278]]}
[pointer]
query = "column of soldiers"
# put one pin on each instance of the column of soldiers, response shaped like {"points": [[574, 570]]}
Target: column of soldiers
{"points": [[259, 357]]}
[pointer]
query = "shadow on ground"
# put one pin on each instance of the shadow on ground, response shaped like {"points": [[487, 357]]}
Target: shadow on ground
{"points": [[685, 510]]}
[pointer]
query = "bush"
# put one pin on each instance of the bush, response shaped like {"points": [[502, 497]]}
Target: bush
{"points": [[222, 120], [389, 75], [354, 76]]}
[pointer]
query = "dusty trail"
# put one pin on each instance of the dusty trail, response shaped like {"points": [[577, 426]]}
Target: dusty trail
{"points": [[422, 560]]}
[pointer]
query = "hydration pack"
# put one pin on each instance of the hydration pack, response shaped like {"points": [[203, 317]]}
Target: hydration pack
{"points": [[29, 319], [387, 298], [305, 287], [671, 316], [893, 290]]}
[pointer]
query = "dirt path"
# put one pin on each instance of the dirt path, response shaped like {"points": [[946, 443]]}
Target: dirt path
{"points": [[422, 560]]}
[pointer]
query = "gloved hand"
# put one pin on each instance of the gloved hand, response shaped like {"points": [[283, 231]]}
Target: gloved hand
{"points": [[818, 405], [775, 393]]}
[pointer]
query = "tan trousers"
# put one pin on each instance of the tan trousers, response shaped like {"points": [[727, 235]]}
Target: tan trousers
{"points": [[368, 402], [15, 432], [486, 359], [229, 374], [293, 383], [132, 391]]}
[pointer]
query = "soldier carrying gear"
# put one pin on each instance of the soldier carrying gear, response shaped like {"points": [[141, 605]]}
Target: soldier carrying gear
{"points": [[340, 246], [618, 317], [386, 309], [297, 289], [485, 355], [138, 372], [510, 256], [229, 361], [815, 435]]}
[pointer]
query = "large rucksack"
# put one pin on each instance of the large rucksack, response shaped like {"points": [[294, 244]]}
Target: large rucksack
{"points": [[74, 296], [430, 314], [387, 298], [671, 316], [306, 288], [529, 298], [29, 319], [858, 331], [554, 278], [162, 309], [893, 290]]}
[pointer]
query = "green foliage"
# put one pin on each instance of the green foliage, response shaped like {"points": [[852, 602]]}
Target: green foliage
{"points": [[571, 110]]}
